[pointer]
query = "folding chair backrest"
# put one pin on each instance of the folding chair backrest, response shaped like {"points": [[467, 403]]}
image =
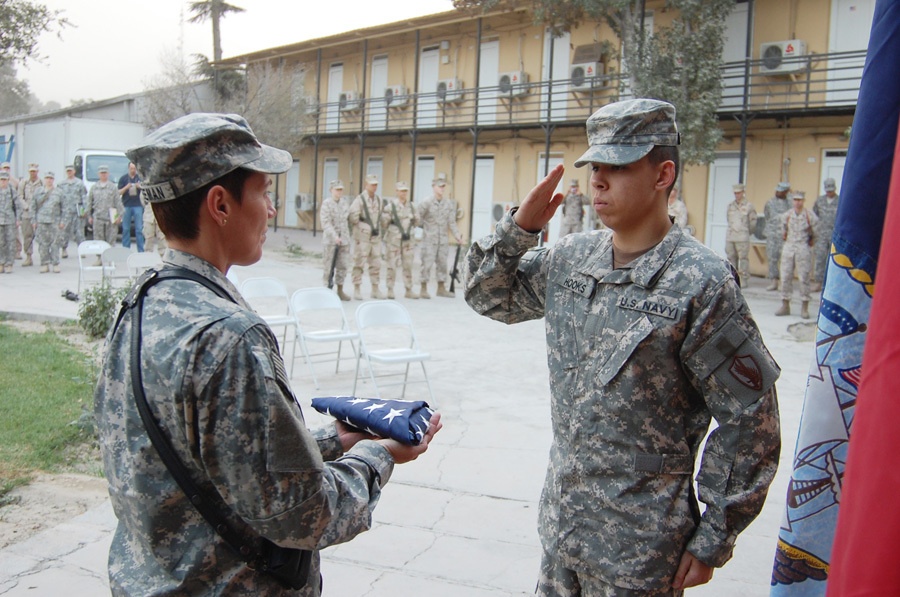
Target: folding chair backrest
{"points": [[115, 262], [92, 247], [138, 262], [382, 313], [329, 311], [252, 288]]}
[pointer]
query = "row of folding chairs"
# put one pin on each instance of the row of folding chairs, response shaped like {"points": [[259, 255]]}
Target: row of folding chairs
{"points": [[384, 342], [115, 263]]}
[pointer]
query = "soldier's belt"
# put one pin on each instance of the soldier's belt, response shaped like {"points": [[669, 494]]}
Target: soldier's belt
{"points": [[673, 464]]}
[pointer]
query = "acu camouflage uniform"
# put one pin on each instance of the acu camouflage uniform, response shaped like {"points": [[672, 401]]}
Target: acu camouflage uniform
{"points": [[334, 226], [774, 210], [216, 383], [799, 235], [27, 189], [399, 247], [73, 192], [678, 212], [641, 358], [741, 221], [9, 209], [47, 214], [152, 232], [825, 209], [365, 221], [102, 197], [435, 218], [573, 213]]}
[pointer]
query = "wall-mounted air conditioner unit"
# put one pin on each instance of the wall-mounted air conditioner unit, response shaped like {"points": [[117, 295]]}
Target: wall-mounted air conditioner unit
{"points": [[513, 84], [303, 202], [349, 101], [396, 96], [499, 210], [587, 75], [449, 91], [782, 57]]}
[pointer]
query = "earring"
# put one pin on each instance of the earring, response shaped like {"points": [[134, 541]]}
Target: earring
{"points": [[224, 221]]}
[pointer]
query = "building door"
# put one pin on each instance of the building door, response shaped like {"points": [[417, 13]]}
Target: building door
{"points": [[483, 202], [426, 103], [543, 169], [558, 93], [488, 97], [851, 23], [375, 165], [832, 167], [335, 88], [424, 176], [723, 174], [329, 173], [377, 107], [733, 53], [292, 189]]}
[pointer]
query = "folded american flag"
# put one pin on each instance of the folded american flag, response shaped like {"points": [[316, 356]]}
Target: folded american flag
{"points": [[403, 420]]}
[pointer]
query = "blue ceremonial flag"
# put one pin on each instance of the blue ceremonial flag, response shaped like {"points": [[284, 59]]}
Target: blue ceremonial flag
{"points": [[403, 420], [804, 552]]}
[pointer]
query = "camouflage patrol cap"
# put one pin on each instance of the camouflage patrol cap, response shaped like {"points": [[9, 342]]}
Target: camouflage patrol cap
{"points": [[624, 132], [738, 188], [33, 168], [781, 187], [195, 150], [440, 180], [799, 195], [50, 175], [70, 167], [5, 165], [371, 179], [4, 175], [102, 169], [829, 184], [401, 186], [574, 183], [336, 184]]}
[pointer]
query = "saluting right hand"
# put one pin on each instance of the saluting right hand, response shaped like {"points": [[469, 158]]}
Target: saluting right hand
{"points": [[541, 203]]}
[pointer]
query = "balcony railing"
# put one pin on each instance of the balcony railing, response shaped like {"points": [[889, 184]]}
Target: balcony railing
{"points": [[820, 83]]}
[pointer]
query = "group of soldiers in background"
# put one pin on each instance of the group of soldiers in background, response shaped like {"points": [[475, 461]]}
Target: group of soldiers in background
{"points": [[797, 240], [379, 232], [54, 214]]}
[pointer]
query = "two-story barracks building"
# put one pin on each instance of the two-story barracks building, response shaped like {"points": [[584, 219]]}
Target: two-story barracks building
{"points": [[493, 100]]}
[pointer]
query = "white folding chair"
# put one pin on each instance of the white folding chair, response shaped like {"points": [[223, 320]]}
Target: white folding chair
{"points": [[115, 264], [233, 278], [387, 337], [319, 318], [137, 263], [90, 251], [269, 298]]}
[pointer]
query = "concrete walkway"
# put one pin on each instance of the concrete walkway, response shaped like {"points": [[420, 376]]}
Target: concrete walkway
{"points": [[460, 521]]}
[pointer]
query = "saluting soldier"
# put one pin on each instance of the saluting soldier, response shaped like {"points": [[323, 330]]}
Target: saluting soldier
{"points": [[825, 208], [437, 216], [27, 189], [47, 214], [775, 208], [648, 339], [573, 210], [798, 231], [74, 194], [365, 221], [741, 220], [335, 235], [400, 217], [105, 207]]}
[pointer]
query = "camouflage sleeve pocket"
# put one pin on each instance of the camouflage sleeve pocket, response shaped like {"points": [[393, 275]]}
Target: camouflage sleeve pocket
{"points": [[738, 363]]}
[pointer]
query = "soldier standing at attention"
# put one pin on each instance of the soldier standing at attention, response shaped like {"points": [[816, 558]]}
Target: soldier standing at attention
{"points": [[335, 234], [400, 215], [648, 339], [775, 208], [436, 216], [825, 208], [365, 221], [214, 384], [47, 215], [741, 221], [74, 210], [573, 210], [104, 207], [27, 189], [13, 181], [798, 230], [8, 223]]}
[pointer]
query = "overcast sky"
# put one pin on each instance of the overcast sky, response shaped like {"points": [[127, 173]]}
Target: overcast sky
{"points": [[115, 46]]}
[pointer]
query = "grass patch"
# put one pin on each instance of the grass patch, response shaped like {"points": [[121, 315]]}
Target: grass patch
{"points": [[46, 404], [295, 250]]}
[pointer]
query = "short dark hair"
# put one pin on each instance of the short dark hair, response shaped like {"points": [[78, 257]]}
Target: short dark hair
{"points": [[180, 218], [666, 153]]}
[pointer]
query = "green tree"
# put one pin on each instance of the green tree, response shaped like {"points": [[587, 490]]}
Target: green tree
{"points": [[213, 11], [15, 96], [679, 63], [21, 24]]}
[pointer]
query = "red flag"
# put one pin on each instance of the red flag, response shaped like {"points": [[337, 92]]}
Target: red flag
{"points": [[864, 555]]}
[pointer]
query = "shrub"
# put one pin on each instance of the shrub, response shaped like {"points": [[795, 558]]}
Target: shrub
{"points": [[98, 308]]}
